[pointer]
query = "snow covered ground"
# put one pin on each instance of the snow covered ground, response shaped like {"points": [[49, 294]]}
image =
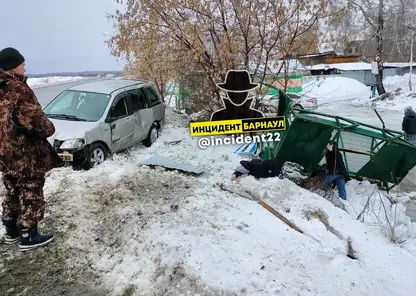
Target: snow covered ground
{"points": [[133, 230], [47, 81]]}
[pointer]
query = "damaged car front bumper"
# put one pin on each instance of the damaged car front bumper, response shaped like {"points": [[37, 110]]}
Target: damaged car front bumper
{"points": [[70, 150]]}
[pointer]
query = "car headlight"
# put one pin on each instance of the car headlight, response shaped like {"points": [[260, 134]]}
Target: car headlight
{"points": [[72, 144]]}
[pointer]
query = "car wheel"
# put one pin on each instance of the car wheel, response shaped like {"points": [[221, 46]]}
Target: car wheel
{"points": [[299, 106], [97, 154], [152, 136]]}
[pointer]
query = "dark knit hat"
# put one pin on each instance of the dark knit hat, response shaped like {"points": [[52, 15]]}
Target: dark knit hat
{"points": [[10, 59]]}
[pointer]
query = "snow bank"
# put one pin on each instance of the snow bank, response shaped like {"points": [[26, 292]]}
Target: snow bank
{"points": [[43, 81], [333, 89], [158, 232], [398, 97], [398, 102]]}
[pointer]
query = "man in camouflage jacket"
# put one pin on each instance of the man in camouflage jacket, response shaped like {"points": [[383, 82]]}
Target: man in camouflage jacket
{"points": [[25, 154]]}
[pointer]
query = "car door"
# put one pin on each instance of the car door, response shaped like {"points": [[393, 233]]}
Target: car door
{"points": [[143, 115], [155, 103], [121, 123]]}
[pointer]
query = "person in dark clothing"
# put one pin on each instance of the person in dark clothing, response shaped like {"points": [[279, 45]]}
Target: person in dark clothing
{"points": [[409, 125], [258, 168], [335, 170]]}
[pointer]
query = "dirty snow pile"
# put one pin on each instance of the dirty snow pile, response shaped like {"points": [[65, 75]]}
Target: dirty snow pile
{"points": [[398, 94], [47, 81], [398, 101], [135, 230]]}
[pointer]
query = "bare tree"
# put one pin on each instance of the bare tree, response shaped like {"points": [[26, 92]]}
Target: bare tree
{"points": [[162, 38], [411, 36], [391, 31], [343, 27], [398, 28], [374, 14]]}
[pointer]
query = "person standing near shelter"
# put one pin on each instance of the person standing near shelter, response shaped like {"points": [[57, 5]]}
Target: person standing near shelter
{"points": [[335, 170], [25, 154], [409, 125]]}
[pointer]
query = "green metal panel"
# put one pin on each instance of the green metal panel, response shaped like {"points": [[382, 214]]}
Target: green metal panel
{"points": [[268, 151], [294, 76], [283, 104], [294, 90], [371, 152], [390, 164], [305, 144]]}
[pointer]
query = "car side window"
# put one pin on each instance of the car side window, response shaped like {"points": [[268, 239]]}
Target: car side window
{"points": [[120, 109], [138, 99], [152, 96]]}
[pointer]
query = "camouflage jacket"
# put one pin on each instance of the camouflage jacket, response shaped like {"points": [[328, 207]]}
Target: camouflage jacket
{"points": [[24, 129]]}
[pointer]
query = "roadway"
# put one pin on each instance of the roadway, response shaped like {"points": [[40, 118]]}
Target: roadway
{"points": [[45, 94]]}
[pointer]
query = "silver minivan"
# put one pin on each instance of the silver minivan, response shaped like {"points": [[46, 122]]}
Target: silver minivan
{"points": [[96, 119]]}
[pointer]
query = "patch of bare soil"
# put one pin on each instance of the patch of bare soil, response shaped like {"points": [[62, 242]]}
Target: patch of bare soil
{"points": [[44, 271]]}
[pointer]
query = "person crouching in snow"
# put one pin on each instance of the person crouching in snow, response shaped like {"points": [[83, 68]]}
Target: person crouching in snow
{"points": [[335, 170], [258, 168], [409, 125]]}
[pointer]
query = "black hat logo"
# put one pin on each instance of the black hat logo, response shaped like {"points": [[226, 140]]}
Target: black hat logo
{"points": [[237, 105], [237, 81]]}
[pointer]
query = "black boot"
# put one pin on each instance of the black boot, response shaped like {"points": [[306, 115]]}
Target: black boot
{"points": [[31, 239], [12, 232]]}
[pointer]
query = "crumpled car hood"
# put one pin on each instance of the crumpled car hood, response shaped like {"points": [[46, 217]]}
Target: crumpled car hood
{"points": [[67, 129]]}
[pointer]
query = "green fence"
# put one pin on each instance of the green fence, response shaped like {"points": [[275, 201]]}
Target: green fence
{"points": [[293, 83]]}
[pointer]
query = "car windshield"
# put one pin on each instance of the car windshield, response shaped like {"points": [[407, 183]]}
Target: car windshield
{"points": [[77, 106]]}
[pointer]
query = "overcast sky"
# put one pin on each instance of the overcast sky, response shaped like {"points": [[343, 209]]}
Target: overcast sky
{"points": [[60, 36]]}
